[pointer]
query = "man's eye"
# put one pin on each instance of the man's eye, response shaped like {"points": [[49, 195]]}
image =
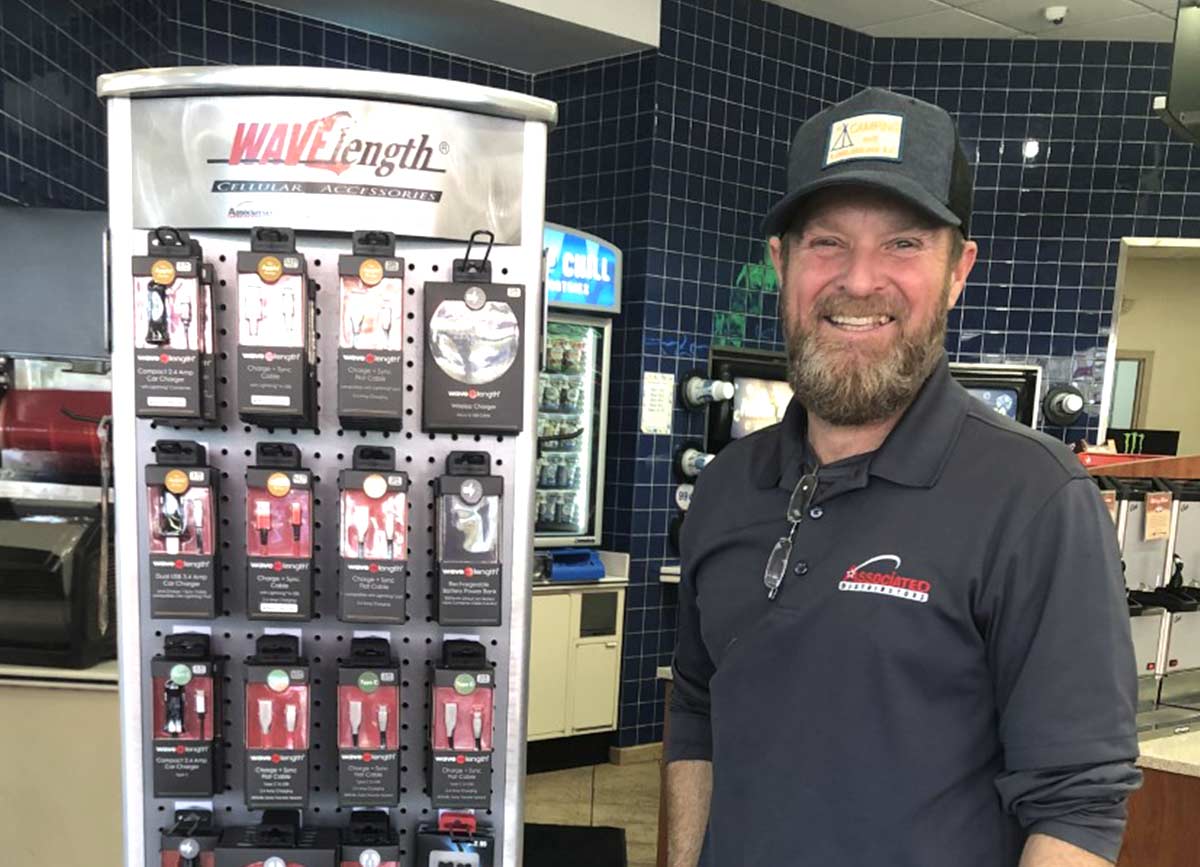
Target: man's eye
{"points": [[906, 243], [824, 242]]}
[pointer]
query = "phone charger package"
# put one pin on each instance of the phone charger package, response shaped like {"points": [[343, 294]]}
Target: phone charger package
{"points": [[373, 538], [187, 718], [468, 517], [181, 502], [277, 724], [279, 539], [368, 728]]}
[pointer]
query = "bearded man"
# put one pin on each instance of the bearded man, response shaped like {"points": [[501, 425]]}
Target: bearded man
{"points": [[902, 634]]}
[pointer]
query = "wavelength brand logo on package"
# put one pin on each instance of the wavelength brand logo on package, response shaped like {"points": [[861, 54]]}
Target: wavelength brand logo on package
{"points": [[860, 579]]}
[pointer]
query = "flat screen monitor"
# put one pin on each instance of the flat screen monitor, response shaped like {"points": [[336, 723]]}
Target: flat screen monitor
{"points": [[757, 403], [1013, 390], [760, 393]]}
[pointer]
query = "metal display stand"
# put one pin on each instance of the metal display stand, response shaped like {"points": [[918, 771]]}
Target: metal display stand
{"points": [[193, 100]]}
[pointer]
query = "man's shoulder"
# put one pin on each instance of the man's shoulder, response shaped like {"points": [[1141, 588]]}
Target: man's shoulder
{"points": [[1011, 450]]}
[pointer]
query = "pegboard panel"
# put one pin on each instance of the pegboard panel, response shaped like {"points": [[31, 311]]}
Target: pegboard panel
{"points": [[326, 450]]}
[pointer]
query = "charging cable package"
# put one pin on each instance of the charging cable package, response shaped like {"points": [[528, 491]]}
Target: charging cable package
{"points": [[187, 718], [279, 541], [168, 322], [373, 538], [181, 497], [278, 841], [276, 337], [370, 383], [457, 840], [370, 841], [461, 729], [208, 341], [191, 841], [277, 723], [368, 704], [468, 519]]}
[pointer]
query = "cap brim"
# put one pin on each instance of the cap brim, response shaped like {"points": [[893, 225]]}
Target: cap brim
{"points": [[779, 218]]}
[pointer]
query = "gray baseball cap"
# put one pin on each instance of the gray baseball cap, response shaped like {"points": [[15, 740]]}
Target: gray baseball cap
{"points": [[881, 139]]}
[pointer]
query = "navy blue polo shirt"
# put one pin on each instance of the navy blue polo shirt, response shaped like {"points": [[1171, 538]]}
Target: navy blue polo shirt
{"points": [[947, 667]]}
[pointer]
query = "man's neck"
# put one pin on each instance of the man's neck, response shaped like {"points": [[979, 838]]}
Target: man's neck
{"points": [[833, 443]]}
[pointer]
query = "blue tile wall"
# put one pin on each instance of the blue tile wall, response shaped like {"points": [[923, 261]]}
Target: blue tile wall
{"points": [[733, 80], [52, 141]]}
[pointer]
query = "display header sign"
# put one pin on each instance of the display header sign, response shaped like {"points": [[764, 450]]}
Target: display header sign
{"points": [[583, 272], [323, 163]]}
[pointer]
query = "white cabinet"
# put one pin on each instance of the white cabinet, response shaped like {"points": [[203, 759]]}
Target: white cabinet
{"points": [[575, 659]]}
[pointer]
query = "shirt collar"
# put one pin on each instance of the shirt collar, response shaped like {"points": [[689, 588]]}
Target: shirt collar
{"points": [[914, 453]]}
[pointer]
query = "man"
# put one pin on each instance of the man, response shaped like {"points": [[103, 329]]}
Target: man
{"points": [[903, 640]]}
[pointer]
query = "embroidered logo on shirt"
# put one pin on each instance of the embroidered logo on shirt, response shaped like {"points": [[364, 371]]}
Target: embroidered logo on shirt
{"points": [[861, 579]]}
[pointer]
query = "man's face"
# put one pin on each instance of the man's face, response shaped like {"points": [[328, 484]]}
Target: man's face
{"points": [[865, 289]]}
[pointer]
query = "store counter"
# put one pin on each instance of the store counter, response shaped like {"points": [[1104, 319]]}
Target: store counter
{"points": [[1161, 813], [61, 754]]}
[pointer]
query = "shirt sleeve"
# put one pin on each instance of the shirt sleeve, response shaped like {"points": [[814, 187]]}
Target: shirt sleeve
{"points": [[690, 727], [1065, 681]]}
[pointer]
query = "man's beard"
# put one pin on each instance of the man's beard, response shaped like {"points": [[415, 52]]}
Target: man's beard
{"points": [[848, 385]]}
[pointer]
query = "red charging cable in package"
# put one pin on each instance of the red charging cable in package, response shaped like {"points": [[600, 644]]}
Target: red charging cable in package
{"points": [[277, 722], [373, 538], [369, 726], [186, 717], [279, 540]]}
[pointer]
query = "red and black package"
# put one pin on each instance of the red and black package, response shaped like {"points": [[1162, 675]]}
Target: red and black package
{"points": [[277, 724], [461, 728], [186, 717], [181, 492], [279, 541], [373, 538], [369, 726]]}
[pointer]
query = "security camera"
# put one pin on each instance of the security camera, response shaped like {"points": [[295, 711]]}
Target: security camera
{"points": [[1056, 15]]}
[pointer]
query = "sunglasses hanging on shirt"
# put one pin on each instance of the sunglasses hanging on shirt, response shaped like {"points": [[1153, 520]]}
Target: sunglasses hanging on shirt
{"points": [[781, 554]]}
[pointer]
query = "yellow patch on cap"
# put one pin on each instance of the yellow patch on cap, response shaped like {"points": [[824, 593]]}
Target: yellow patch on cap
{"points": [[865, 137]]}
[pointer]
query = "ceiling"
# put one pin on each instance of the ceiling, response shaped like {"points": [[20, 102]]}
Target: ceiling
{"points": [[1136, 20]]}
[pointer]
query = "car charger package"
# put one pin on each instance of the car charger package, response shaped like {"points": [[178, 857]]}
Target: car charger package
{"points": [[370, 840], [278, 841], [373, 538], [208, 343], [368, 728], [186, 718], [168, 322], [455, 841], [181, 502], [277, 724], [472, 379], [279, 540], [370, 383], [276, 336], [191, 841], [467, 514], [462, 705]]}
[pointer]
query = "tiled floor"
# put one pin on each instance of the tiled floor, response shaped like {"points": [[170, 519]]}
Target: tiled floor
{"points": [[622, 796]]}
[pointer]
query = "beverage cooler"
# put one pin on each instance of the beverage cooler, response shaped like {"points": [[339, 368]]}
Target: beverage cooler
{"points": [[583, 289]]}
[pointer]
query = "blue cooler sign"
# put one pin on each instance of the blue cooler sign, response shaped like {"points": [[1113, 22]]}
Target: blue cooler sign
{"points": [[583, 271]]}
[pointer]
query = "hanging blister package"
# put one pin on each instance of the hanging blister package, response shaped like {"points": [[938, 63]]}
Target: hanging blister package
{"points": [[455, 841], [278, 841], [373, 538], [279, 541], [370, 840], [187, 720], [468, 518], [208, 343], [370, 383], [181, 498], [368, 727], [277, 724], [191, 841], [167, 326], [276, 338], [473, 377], [462, 705]]}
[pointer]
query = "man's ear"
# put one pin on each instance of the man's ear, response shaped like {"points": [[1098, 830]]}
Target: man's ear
{"points": [[960, 272], [776, 245]]}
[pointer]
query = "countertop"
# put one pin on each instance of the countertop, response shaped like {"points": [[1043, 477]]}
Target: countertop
{"points": [[1177, 754], [102, 676]]}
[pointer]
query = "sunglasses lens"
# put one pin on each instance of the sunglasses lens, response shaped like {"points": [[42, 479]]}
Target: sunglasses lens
{"points": [[777, 564]]}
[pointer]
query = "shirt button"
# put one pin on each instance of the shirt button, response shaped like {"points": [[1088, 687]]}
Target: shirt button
{"points": [[801, 568], [816, 512]]}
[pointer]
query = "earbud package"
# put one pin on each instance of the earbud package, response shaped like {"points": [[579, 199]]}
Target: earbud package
{"points": [[168, 320], [278, 841], [473, 376], [186, 718], [191, 841], [468, 518], [373, 531], [277, 724], [279, 543], [369, 726], [371, 334], [181, 497], [276, 337], [461, 730]]}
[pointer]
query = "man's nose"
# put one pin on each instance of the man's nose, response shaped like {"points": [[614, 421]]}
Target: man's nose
{"points": [[862, 275]]}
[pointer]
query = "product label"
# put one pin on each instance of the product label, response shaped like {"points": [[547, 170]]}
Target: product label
{"points": [[1158, 515], [468, 595], [276, 779], [461, 780], [183, 770], [279, 589], [167, 383], [368, 779], [271, 381], [372, 591], [182, 586], [371, 387]]}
